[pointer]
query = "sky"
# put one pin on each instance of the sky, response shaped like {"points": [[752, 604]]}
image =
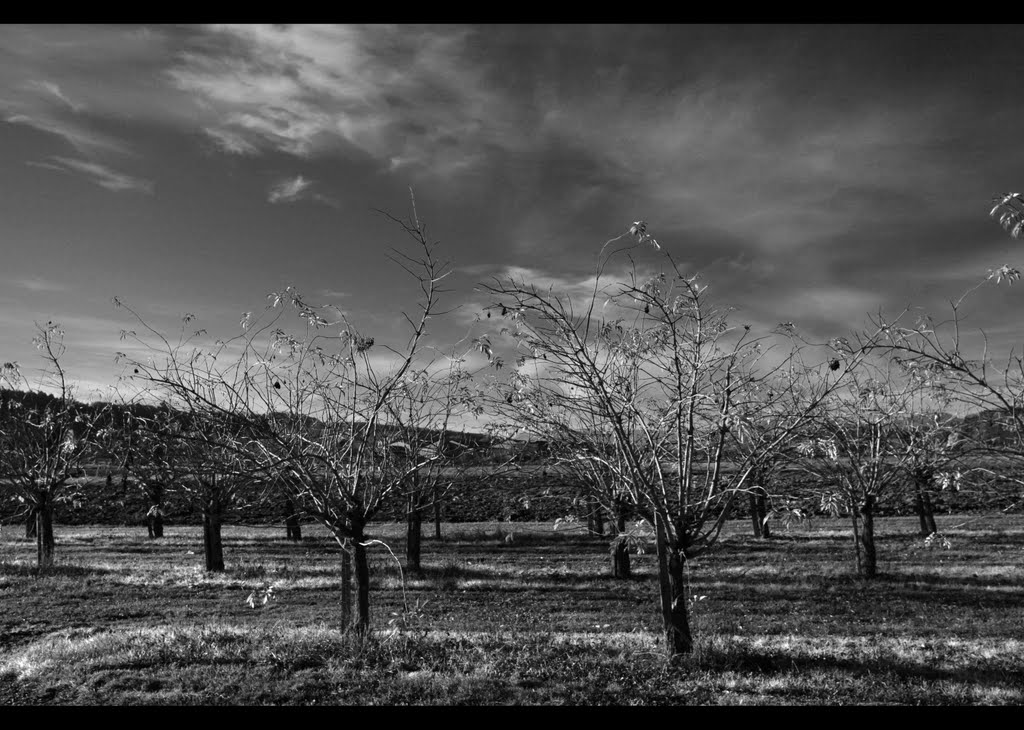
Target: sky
{"points": [[812, 174]]}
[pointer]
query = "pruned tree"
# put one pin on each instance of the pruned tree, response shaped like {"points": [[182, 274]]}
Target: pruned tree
{"points": [[311, 403], [938, 451], [973, 383], [767, 415], [665, 373], [429, 401], [139, 447], [982, 382], [581, 449], [219, 474], [863, 445], [44, 445]]}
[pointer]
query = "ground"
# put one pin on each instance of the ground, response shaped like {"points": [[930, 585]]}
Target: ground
{"points": [[515, 613]]}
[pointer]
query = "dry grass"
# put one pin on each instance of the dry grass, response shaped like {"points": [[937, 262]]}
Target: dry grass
{"points": [[127, 620]]}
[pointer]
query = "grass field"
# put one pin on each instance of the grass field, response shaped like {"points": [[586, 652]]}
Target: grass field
{"points": [[123, 619]]}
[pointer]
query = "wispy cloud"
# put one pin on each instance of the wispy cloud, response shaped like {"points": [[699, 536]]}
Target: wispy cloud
{"points": [[80, 83], [35, 283], [289, 190], [73, 132], [333, 294], [407, 97], [230, 141], [734, 156], [52, 89], [96, 173]]}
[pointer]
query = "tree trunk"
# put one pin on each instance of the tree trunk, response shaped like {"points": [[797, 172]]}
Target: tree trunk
{"points": [[30, 524], [155, 515], [213, 549], [762, 512], [346, 585], [929, 511], [919, 508], [413, 538], [293, 529], [155, 522], [869, 567], [856, 536], [595, 516], [759, 505], [672, 584], [437, 514], [621, 567], [44, 531], [925, 513], [362, 570]]}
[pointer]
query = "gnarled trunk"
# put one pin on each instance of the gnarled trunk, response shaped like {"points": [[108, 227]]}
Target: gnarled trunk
{"points": [[155, 515], [362, 571], [413, 537], [437, 514], [868, 560], [346, 585], [155, 521], [213, 548], [30, 523], [44, 530], [759, 512], [293, 529], [595, 516], [925, 512], [672, 585], [621, 567]]}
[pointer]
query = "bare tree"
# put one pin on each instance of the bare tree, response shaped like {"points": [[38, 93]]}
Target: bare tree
{"points": [[428, 403], [938, 452], [961, 365], [44, 445], [581, 448], [863, 444], [212, 473], [315, 403], [139, 447], [661, 369], [974, 384]]}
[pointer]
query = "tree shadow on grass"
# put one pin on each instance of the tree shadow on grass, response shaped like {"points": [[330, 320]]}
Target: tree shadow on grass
{"points": [[452, 572], [879, 592], [739, 658], [29, 570], [513, 534], [907, 579]]}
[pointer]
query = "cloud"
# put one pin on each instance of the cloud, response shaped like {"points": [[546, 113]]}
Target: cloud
{"points": [[80, 83], [289, 190], [231, 142], [73, 132], [99, 174], [406, 97], [48, 87], [333, 294], [38, 284], [734, 156]]}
